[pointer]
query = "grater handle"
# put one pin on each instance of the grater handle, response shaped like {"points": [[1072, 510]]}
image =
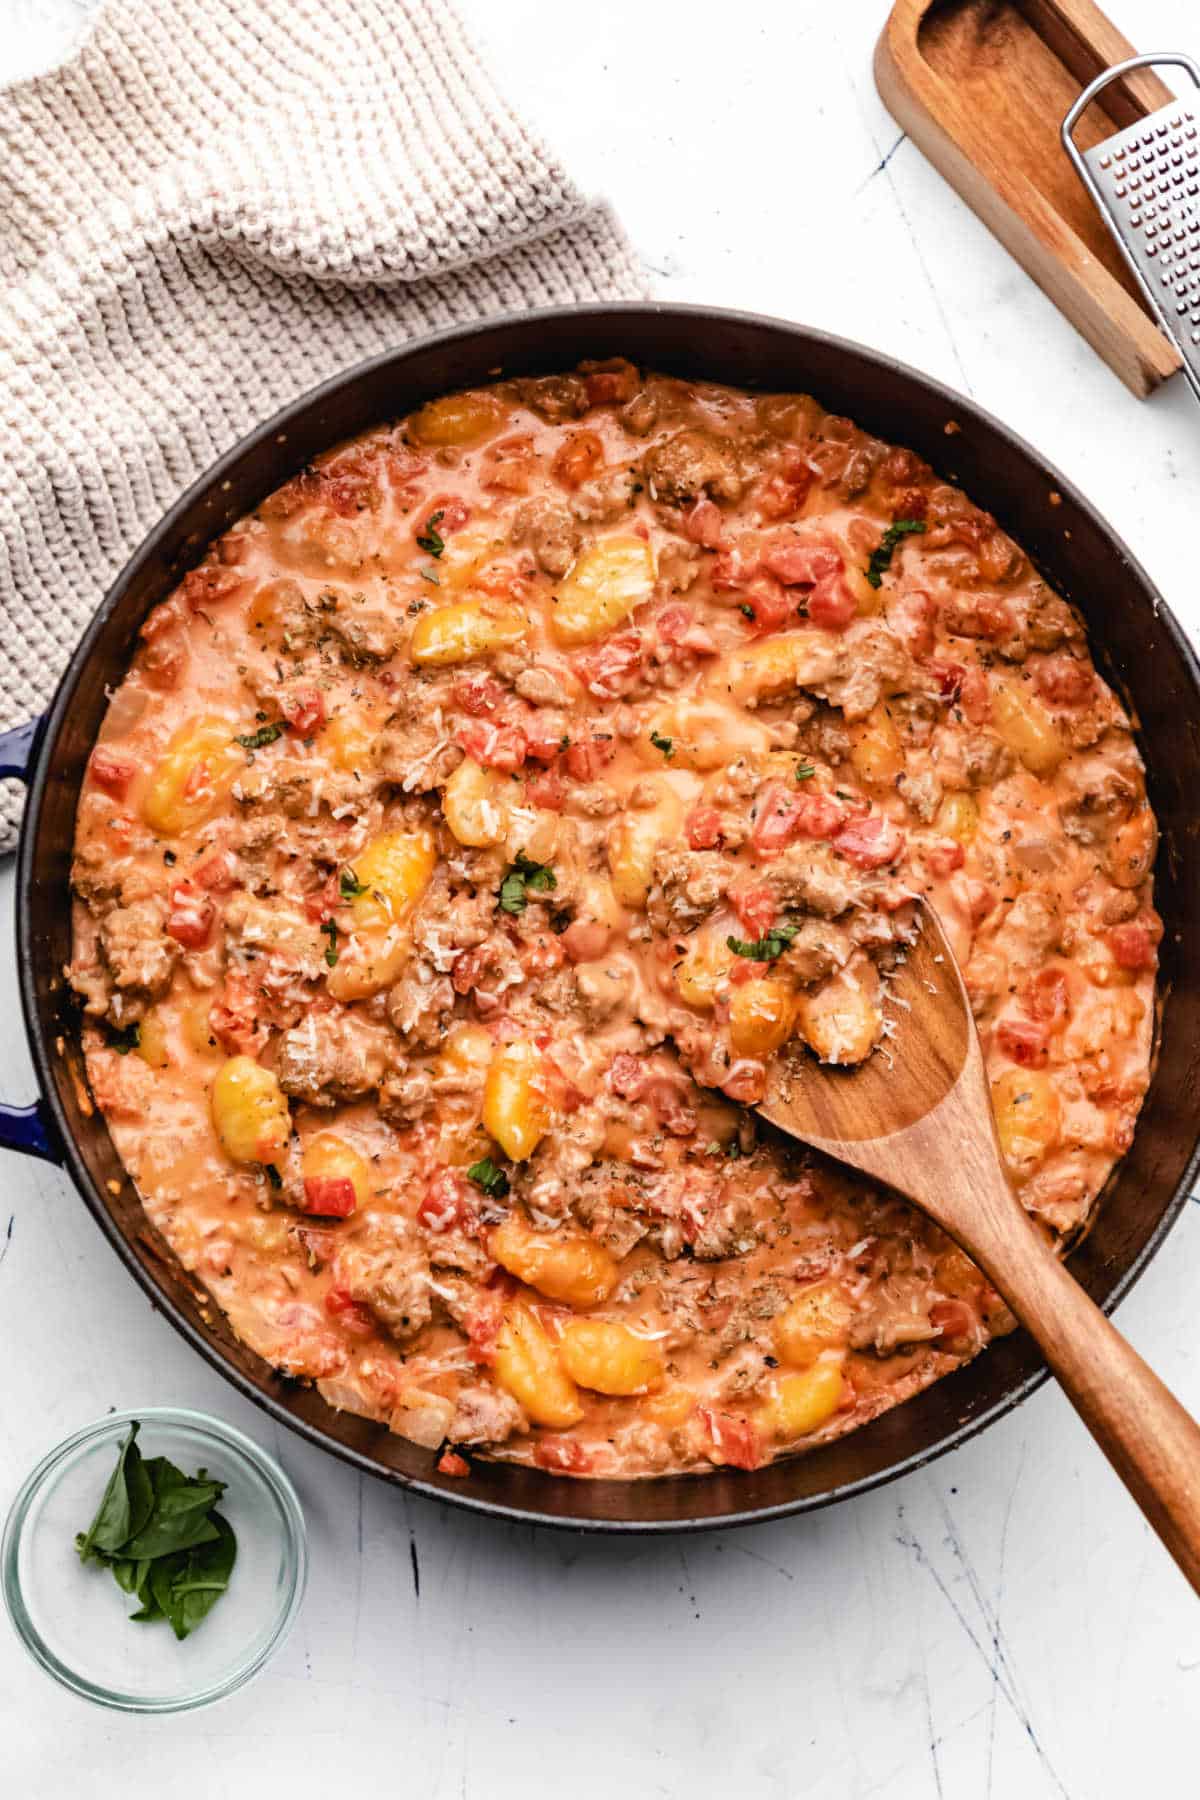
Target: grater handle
{"points": [[1116, 73], [1067, 132]]}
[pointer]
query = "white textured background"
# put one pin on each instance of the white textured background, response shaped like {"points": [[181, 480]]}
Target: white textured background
{"points": [[1001, 1625]]}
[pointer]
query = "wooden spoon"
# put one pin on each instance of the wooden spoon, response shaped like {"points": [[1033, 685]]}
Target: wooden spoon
{"points": [[917, 1115]]}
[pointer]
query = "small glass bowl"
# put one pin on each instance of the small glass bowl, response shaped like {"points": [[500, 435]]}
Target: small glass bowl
{"points": [[74, 1620]]}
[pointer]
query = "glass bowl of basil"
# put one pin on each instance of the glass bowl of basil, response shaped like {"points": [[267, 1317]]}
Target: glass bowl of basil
{"points": [[155, 1561]]}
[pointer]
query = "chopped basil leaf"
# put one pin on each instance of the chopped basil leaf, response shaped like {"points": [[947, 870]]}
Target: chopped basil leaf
{"points": [[125, 1040], [747, 609], [257, 740], [487, 1176], [349, 886], [273, 1175], [665, 744], [773, 943], [430, 540], [523, 878], [331, 931], [804, 771], [882, 555]]}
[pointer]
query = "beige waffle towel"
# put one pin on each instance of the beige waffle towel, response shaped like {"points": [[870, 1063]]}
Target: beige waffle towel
{"points": [[214, 205]]}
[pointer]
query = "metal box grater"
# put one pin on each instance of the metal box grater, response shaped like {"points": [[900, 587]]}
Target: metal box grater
{"points": [[1146, 181]]}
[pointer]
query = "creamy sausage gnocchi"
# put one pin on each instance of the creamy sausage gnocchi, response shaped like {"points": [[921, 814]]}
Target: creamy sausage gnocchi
{"points": [[480, 817]]}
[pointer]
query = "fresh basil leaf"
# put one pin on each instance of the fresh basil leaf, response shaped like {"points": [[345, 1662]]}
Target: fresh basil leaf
{"points": [[773, 943], [204, 1578], [525, 877], [665, 744], [486, 1175], [349, 886], [112, 1523], [125, 1040], [331, 953], [881, 556], [430, 540], [258, 740], [179, 1519], [804, 771]]}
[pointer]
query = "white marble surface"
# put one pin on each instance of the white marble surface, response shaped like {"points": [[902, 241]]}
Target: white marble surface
{"points": [[1003, 1624]]}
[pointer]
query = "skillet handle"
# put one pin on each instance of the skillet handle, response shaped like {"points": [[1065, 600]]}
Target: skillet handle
{"points": [[25, 1128]]}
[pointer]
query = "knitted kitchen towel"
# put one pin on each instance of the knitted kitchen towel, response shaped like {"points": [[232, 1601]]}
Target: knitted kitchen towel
{"points": [[214, 205]]}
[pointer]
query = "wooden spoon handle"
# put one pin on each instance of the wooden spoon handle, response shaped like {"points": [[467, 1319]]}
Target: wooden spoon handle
{"points": [[1150, 1439]]}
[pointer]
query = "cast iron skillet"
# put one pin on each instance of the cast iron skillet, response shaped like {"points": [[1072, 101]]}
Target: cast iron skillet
{"points": [[1137, 642]]}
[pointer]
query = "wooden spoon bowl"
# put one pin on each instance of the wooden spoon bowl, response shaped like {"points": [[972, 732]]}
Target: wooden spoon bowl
{"points": [[917, 1116]]}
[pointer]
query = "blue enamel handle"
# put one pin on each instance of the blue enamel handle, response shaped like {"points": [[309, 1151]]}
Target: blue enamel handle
{"points": [[25, 1128]]}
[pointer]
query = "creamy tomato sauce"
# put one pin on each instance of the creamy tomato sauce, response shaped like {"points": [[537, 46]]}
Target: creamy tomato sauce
{"points": [[480, 817]]}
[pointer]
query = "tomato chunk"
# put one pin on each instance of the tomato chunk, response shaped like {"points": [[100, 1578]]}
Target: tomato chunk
{"points": [[798, 564], [190, 920], [704, 525], [1133, 945], [784, 815], [330, 1196], [111, 771], [359, 1320], [831, 605], [446, 1205], [756, 910], [304, 710], [451, 1463], [703, 828], [586, 758], [561, 1456], [502, 747], [1026, 1041], [735, 1440], [613, 668], [870, 842]]}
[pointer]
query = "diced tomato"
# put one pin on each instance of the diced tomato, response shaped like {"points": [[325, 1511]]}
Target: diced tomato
{"points": [[358, 1320], [944, 858], [831, 605], [111, 771], [993, 617], [190, 920], [785, 488], [746, 1081], [870, 842], [546, 789], [626, 1075], [322, 904], [735, 568], [483, 1320], [1133, 945], [478, 694], [800, 564], [735, 1440], [704, 525], [980, 899], [544, 739], [454, 512], [1047, 997], [329, 1196], [577, 458], [949, 677], [234, 1020], [451, 1463], [912, 615], [953, 1319], [217, 874], [613, 668], [209, 584], [1064, 681], [975, 696], [784, 815], [304, 710], [502, 747], [703, 828], [561, 1456], [756, 910], [679, 627], [586, 757], [542, 954], [469, 968], [446, 1205], [1025, 1041], [771, 605]]}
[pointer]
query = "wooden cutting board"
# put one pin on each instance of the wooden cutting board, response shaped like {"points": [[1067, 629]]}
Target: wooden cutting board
{"points": [[982, 86]]}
